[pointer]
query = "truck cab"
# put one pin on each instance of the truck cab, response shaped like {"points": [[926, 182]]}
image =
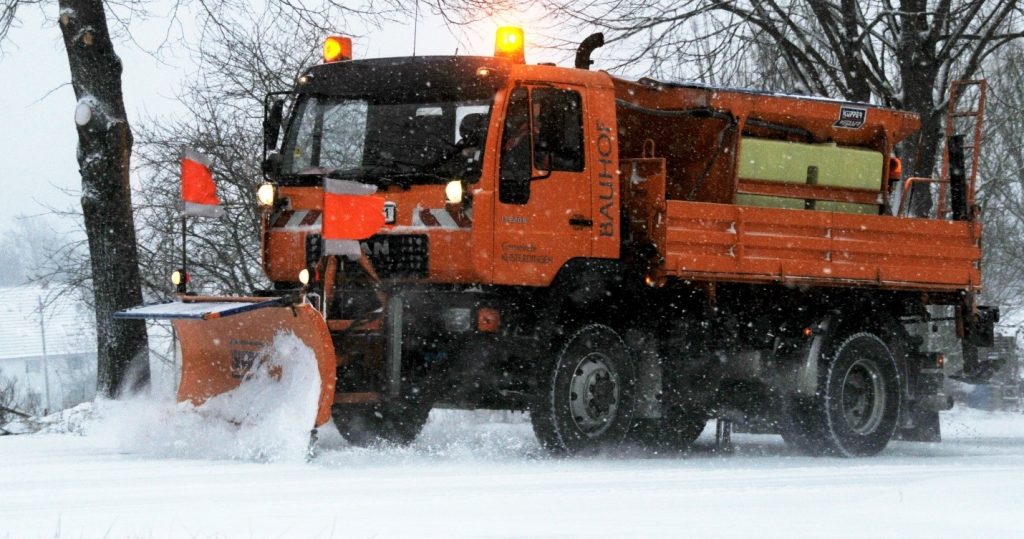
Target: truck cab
{"points": [[493, 172]]}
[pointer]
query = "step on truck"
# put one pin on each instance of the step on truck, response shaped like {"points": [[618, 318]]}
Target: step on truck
{"points": [[624, 260]]}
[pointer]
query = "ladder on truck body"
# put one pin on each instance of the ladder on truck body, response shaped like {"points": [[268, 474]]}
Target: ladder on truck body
{"points": [[968, 122], [973, 115]]}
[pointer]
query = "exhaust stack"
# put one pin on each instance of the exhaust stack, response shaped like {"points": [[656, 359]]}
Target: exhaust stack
{"points": [[586, 48]]}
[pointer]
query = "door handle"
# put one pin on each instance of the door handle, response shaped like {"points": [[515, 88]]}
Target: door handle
{"points": [[580, 221]]}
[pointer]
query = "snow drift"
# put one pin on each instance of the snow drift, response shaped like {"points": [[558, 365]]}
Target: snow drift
{"points": [[269, 417]]}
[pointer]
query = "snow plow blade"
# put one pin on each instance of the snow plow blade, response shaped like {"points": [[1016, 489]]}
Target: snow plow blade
{"points": [[221, 338]]}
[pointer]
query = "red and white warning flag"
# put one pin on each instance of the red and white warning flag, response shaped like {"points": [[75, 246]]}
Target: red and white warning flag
{"points": [[198, 191], [351, 213]]}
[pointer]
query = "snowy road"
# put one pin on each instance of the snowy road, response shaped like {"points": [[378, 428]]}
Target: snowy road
{"points": [[492, 480]]}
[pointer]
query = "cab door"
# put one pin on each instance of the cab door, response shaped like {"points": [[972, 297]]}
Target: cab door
{"points": [[543, 215]]}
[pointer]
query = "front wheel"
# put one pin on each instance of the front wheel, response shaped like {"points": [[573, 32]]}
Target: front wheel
{"points": [[857, 405], [588, 401], [393, 422]]}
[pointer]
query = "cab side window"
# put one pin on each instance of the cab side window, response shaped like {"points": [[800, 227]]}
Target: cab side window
{"points": [[543, 133], [514, 176], [558, 116]]}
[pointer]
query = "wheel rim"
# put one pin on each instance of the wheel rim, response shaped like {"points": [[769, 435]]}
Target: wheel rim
{"points": [[593, 394], [863, 396]]}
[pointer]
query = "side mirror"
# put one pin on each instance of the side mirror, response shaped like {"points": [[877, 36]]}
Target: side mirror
{"points": [[272, 124], [542, 164], [272, 164]]}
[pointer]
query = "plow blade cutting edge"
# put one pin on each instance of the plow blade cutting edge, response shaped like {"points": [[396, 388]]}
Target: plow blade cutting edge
{"points": [[222, 338]]}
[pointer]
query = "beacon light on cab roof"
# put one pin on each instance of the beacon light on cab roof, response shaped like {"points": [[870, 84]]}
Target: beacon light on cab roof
{"points": [[509, 43], [337, 48]]}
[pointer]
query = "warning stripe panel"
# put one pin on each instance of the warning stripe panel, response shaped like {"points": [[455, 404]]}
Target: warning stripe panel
{"points": [[441, 218], [311, 218], [282, 219], [297, 219]]}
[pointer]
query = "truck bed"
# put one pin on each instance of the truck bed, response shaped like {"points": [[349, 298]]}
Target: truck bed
{"points": [[724, 242]]}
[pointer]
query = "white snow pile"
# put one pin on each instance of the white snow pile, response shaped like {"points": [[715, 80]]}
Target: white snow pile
{"points": [[70, 421], [269, 417], [449, 436]]}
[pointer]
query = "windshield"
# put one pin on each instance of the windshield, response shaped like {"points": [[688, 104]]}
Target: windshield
{"points": [[405, 143]]}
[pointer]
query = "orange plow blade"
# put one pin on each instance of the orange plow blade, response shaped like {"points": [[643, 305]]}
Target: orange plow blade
{"points": [[222, 338]]}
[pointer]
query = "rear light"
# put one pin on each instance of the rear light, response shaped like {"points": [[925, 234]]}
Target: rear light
{"points": [[488, 320], [895, 168]]}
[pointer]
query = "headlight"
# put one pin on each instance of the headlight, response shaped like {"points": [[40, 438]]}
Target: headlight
{"points": [[304, 277], [453, 192], [176, 277], [265, 194]]}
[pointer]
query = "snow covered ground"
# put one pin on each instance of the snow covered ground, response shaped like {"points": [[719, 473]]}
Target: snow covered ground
{"points": [[470, 478], [237, 466]]}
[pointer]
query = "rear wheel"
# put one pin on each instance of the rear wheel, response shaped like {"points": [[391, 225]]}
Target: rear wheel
{"points": [[587, 403], [857, 405], [397, 422]]}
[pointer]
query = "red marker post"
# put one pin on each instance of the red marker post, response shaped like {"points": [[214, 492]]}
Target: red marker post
{"points": [[199, 199], [198, 192]]}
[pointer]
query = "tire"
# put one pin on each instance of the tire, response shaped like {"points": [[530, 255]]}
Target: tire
{"points": [[544, 430], [386, 423], [857, 406], [587, 402]]}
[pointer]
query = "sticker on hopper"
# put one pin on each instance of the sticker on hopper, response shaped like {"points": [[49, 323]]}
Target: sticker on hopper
{"points": [[851, 117]]}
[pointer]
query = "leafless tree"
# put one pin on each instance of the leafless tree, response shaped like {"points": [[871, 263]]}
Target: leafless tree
{"points": [[104, 151], [26, 250], [10, 399], [1001, 192], [241, 63]]}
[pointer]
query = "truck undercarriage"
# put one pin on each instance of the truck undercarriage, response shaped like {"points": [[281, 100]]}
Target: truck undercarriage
{"points": [[753, 356]]}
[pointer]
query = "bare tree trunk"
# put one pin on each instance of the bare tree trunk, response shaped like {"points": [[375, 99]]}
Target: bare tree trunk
{"points": [[104, 153], [919, 73]]}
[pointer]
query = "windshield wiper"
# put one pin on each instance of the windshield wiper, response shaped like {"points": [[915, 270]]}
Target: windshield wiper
{"points": [[386, 176], [406, 180]]}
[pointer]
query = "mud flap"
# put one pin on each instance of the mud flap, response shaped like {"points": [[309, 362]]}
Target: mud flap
{"points": [[926, 427], [978, 331], [221, 338]]}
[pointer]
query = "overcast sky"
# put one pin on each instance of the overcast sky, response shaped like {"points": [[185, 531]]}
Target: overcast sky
{"points": [[38, 138]]}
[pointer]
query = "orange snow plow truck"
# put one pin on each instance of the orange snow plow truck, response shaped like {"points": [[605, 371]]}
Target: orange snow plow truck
{"points": [[624, 260]]}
